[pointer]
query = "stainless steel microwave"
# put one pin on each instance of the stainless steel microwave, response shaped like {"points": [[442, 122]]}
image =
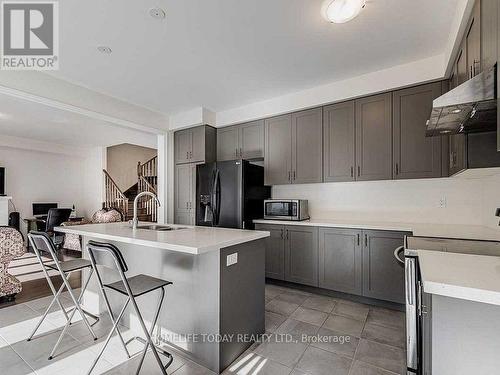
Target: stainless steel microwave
{"points": [[286, 209]]}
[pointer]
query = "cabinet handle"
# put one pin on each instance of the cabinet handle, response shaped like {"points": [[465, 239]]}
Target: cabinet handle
{"points": [[294, 175], [287, 234], [352, 171], [236, 152], [397, 168], [241, 153], [187, 154], [366, 240], [289, 176], [358, 239], [282, 233], [359, 171], [187, 205]]}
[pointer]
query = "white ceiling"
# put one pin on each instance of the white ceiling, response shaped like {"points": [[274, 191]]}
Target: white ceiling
{"points": [[222, 54], [26, 119]]}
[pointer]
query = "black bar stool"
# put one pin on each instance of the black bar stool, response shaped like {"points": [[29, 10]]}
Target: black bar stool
{"points": [[40, 241], [108, 256]]}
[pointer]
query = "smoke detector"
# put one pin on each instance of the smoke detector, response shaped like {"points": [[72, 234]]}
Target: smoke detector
{"points": [[157, 13], [104, 49]]}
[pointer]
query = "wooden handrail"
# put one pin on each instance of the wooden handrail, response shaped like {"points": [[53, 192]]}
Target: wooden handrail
{"points": [[148, 168], [114, 197]]}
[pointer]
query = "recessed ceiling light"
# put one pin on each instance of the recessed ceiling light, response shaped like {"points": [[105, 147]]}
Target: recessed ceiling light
{"points": [[445, 131], [104, 49], [341, 11], [157, 13], [456, 111]]}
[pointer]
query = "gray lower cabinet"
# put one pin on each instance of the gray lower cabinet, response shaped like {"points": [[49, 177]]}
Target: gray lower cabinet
{"points": [[374, 137], [457, 153], [245, 141], [340, 260], [292, 253], [339, 158], [184, 195], [275, 250], [278, 150], [383, 275], [301, 254], [307, 146], [415, 155]]}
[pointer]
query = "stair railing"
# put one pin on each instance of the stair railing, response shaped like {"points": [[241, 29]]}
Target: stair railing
{"points": [[147, 180], [147, 202], [114, 197]]}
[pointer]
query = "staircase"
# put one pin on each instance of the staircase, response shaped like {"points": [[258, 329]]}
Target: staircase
{"points": [[147, 180]]}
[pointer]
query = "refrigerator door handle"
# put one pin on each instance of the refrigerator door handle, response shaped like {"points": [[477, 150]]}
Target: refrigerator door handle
{"points": [[216, 198]]}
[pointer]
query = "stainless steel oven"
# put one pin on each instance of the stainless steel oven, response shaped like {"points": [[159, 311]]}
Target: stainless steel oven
{"points": [[286, 209]]}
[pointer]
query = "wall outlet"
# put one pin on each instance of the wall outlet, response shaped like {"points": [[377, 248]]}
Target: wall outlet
{"points": [[231, 259], [442, 202]]}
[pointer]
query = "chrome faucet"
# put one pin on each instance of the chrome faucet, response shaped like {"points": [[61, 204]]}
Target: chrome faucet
{"points": [[135, 220]]}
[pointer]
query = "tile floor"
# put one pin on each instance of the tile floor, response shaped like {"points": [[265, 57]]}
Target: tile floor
{"points": [[305, 334]]}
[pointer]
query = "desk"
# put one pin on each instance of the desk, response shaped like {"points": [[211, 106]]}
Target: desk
{"points": [[33, 222]]}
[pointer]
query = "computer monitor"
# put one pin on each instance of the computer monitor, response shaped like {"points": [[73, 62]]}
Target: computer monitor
{"points": [[40, 209]]}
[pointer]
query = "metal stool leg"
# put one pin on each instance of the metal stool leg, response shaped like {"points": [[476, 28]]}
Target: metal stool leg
{"points": [[149, 341], [151, 329], [77, 308], [108, 306], [115, 326], [56, 298]]}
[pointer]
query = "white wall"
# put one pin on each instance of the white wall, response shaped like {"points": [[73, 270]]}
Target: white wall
{"points": [[468, 201], [34, 176]]}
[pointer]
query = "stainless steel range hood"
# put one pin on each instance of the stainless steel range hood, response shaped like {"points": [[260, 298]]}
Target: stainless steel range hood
{"points": [[469, 107]]}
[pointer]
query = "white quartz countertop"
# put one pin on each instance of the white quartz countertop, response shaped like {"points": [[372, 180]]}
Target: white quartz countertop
{"points": [[464, 276], [4, 198], [192, 240], [458, 231]]}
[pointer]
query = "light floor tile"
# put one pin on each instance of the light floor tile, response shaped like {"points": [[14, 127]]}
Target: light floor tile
{"points": [[310, 316], [320, 362], [321, 303], [344, 324]]}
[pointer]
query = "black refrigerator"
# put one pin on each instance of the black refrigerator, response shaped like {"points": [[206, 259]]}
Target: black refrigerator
{"points": [[230, 194]]}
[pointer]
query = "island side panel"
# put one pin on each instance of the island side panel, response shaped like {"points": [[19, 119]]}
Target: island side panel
{"points": [[465, 337], [191, 305], [242, 300]]}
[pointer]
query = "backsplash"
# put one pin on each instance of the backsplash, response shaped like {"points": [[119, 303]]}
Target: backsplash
{"points": [[467, 201]]}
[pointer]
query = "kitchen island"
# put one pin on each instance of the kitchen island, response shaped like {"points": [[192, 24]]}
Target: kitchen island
{"points": [[214, 309]]}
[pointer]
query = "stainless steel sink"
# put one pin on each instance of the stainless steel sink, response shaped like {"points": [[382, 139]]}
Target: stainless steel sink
{"points": [[157, 227]]}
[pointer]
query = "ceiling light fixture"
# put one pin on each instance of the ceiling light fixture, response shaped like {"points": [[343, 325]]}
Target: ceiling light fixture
{"points": [[456, 111], [104, 49], [341, 11], [157, 13]]}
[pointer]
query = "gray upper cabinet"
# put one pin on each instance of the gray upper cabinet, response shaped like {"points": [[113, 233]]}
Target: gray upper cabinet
{"points": [[301, 254], [383, 275], [340, 260], [278, 150], [489, 24], [228, 143], [307, 150], [374, 137], [182, 146], [251, 140], [195, 145], [338, 142], [415, 155], [275, 250], [245, 141], [473, 42]]}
